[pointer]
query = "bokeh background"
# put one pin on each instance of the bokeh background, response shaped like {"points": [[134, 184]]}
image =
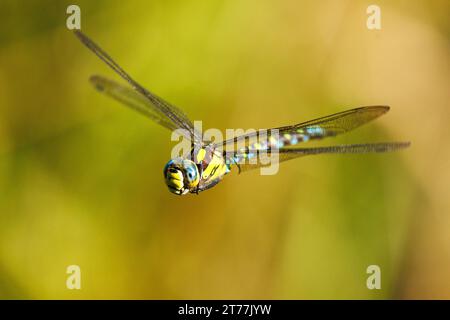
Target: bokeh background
{"points": [[81, 176]]}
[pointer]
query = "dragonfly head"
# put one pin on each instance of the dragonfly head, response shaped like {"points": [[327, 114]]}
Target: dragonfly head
{"points": [[181, 176]]}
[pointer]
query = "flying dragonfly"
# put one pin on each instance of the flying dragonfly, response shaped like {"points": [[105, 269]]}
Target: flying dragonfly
{"points": [[207, 163]]}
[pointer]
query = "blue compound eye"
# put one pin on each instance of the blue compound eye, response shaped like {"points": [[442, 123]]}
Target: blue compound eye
{"points": [[191, 173], [166, 167]]}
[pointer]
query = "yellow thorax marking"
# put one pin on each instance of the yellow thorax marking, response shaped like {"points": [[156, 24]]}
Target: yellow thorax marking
{"points": [[215, 168], [201, 155]]}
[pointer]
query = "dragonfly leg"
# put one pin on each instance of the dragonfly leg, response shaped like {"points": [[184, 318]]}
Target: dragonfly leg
{"points": [[200, 172], [207, 186]]}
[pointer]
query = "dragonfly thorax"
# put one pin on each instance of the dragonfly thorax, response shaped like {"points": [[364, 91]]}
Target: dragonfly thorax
{"points": [[181, 176]]}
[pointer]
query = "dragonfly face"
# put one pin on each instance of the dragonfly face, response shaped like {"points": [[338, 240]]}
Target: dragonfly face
{"points": [[181, 176]]}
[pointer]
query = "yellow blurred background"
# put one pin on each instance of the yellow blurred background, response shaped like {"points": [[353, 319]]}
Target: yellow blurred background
{"points": [[81, 176]]}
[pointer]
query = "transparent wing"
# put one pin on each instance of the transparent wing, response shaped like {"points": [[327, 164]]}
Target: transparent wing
{"points": [[156, 105], [320, 128], [132, 99], [339, 122], [288, 154]]}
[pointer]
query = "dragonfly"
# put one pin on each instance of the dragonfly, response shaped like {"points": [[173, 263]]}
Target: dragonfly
{"points": [[207, 163]]}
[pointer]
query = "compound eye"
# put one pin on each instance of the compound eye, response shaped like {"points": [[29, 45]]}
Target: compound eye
{"points": [[173, 170], [191, 174]]}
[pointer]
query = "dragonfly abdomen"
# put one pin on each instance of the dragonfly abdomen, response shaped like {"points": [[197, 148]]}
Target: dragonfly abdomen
{"points": [[286, 137]]}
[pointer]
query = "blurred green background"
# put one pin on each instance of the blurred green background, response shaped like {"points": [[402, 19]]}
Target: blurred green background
{"points": [[81, 176]]}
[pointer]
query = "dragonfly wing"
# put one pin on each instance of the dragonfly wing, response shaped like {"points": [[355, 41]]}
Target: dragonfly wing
{"points": [[156, 105], [132, 99], [320, 128], [338, 123], [292, 153]]}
